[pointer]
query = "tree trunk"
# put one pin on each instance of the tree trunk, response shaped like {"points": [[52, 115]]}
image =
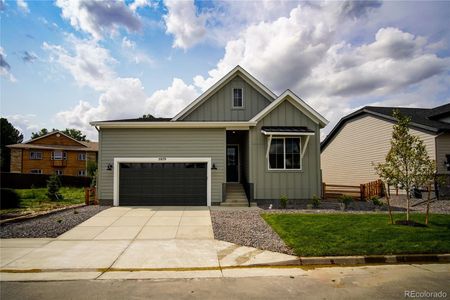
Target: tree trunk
{"points": [[388, 196], [428, 204], [407, 204]]}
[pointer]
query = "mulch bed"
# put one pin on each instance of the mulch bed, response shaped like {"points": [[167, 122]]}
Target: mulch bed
{"points": [[49, 226]]}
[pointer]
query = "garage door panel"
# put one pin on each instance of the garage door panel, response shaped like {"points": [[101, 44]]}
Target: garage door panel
{"points": [[163, 184]]}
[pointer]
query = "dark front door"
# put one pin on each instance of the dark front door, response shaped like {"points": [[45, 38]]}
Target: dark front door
{"points": [[162, 184], [232, 163]]}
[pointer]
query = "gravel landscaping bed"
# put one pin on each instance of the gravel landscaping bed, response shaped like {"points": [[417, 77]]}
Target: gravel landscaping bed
{"points": [[49, 226], [246, 228], [436, 207]]}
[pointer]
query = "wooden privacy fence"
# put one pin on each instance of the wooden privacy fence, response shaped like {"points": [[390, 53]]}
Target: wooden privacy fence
{"points": [[361, 192]]}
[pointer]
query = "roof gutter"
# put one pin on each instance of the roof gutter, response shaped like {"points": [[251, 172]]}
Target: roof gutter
{"points": [[172, 124]]}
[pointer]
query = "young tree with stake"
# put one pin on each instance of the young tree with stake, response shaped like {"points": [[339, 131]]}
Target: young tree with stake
{"points": [[407, 163]]}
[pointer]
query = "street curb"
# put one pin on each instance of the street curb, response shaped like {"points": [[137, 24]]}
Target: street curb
{"points": [[37, 215], [360, 260]]}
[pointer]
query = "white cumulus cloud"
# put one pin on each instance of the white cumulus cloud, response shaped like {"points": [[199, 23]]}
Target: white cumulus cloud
{"points": [[184, 24], [23, 6], [120, 97], [5, 68], [99, 17]]}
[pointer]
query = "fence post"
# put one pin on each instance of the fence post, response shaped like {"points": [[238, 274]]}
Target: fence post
{"points": [[86, 195], [95, 196], [362, 191]]}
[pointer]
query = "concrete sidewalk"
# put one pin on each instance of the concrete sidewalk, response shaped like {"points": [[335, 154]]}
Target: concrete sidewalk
{"points": [[54, 259]]}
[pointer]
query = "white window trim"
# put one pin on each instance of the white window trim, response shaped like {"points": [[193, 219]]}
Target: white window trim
{"points": [[119, 160], [31, 155], [84, 172], [63, 155], [232, 98], [31, 171], [284, 154], [56, 172], [85, 156]]}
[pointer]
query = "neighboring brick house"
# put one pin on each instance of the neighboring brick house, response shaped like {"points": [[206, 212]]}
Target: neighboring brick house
{"points": [[53, 153]]}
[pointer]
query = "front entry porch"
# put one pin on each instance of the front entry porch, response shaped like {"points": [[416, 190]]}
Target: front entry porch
{"points": [[237, 191]]}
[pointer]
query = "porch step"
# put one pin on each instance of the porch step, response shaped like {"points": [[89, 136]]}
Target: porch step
{"points": [[236, 196]]}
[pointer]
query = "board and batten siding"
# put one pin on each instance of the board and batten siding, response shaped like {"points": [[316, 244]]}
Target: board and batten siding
{"points": [[295, 184], [348, 157], [167, 143], [442, 149], [219, 106]]}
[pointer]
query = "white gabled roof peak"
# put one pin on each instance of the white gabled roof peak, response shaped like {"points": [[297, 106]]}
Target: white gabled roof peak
{"points": [[218, 84], [298, 103]]}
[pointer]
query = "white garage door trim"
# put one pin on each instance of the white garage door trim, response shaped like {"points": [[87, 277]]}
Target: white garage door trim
{"points": [[118, 160]]}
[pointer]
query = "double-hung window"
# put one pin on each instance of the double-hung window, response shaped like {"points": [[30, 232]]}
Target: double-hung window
{"points": [[59, 155], [81, 156], [238, 98], [35, 155], [284, 154]]}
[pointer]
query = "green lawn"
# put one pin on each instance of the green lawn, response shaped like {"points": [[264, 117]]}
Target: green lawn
{"points": [[360, 234], [35, 200]]}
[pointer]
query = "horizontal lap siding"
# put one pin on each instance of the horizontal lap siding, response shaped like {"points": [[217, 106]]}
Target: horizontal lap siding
{"points": [[348, 157], [161, 143], [295, 184], [442, 149], [219, 106]]}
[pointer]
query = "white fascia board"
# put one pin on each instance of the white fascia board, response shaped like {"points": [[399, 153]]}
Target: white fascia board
{"points": [[224, 79], [288, 133], [299, 103], [170, 124]]}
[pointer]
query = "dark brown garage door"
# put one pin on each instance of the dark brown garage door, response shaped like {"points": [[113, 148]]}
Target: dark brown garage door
{"points": [[163, 184]]}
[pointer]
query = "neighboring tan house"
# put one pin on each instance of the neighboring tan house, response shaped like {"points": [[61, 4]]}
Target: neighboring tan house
{"points": [[363, 138], [53, 153], [237, 136]]}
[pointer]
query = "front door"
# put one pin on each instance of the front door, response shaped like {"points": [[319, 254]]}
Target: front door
{"points": [[232, 163]]}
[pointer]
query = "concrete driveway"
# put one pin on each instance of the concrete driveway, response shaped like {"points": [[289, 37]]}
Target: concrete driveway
{"points": [[131, 242], [145, 223]]}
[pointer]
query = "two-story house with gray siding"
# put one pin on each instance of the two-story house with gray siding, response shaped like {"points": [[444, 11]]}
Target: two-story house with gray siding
{"points": [[238, 143]]}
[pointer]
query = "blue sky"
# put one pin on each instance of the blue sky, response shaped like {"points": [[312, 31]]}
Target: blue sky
{"points": [[66, 63]]}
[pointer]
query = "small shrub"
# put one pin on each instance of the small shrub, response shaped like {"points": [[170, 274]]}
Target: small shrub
{"points": [[283, 201], [53, 185], [376, 201], [9, 198], [346, 199], [33, 193], [315, 201]]}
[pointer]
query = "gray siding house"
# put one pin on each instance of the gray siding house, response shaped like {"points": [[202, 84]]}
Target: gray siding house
{"points": [[236, 144]]}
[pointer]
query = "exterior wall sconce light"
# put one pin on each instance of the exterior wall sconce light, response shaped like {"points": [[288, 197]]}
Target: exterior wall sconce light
{"points": [[213, 167], [109, 167]]}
